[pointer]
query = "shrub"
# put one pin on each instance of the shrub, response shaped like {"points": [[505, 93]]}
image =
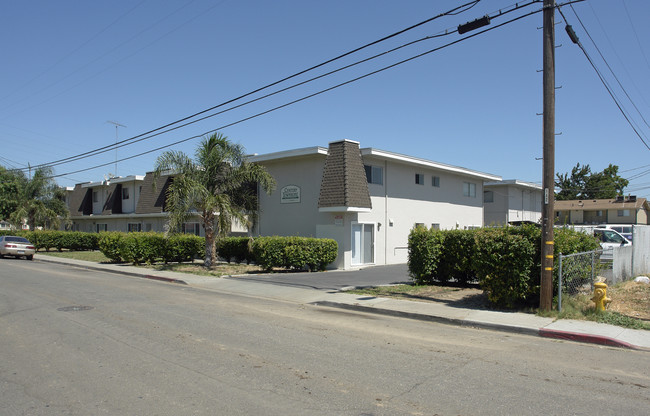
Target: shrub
{"points": [[504, 262], [142, 247], [294, 252], [457, 257], [425, 250], [183, 247], [109, 244], [237, 248]]}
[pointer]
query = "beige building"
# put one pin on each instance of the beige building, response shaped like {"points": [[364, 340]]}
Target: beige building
{"points": [[621, 210], [366, 199]]}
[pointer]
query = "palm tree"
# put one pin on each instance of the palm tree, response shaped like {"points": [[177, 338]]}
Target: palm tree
{"points": [[219, 185], [40, 201]]}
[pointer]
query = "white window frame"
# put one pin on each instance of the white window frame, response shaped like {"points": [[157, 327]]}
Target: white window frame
{"points": [[374, 241], [125, 193]]}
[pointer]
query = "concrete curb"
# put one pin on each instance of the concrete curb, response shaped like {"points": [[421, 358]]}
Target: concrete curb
{"points": [[586, 338], [430, 318], [126, 273]]}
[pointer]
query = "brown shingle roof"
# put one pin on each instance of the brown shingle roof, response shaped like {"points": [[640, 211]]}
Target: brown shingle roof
{"points": [[344, 182], [81, 201], [152, 198], [599, 204]]}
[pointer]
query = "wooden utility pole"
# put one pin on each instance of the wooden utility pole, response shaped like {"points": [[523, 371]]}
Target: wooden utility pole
{"points": [[548, 202]]}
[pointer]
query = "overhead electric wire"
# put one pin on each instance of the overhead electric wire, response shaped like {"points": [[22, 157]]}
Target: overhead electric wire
{"points": [[112, 146], [130, 141], [95, 36], [316, 93], [608, 66], [605, 84]]}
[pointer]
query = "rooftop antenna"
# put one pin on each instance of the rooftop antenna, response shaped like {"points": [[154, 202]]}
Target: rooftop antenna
{"points": [[116, 124]]}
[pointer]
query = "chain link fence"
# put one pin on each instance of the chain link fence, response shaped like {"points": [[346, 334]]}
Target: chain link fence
{"points": [[578, 272]]}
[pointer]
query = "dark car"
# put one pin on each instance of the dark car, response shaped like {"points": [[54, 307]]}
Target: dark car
{"points": [[11, 245]]}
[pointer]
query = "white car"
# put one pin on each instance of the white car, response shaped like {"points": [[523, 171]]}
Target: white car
{"points": [[623, 229], [11, 245], [608, 240]]}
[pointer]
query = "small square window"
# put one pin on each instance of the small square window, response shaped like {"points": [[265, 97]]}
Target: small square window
{"points": [[125, 193], [488, 196], [435, 226], [134, 227], [419, 179], [435, 181]]}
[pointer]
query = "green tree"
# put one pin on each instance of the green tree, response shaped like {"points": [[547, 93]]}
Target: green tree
{"points": [[219, 184], [583, 184], [10, 184], [40, 201]]}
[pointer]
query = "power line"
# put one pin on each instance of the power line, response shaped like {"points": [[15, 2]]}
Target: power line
{"points": [[605, 84], [110, 147], [318, 92]]}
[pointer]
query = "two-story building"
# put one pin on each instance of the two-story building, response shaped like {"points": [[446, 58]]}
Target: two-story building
{"points": [[620, 210], [368, 200], [512, 202]]}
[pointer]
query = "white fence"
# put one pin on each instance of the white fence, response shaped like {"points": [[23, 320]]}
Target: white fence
{"points": [[633, 261]]}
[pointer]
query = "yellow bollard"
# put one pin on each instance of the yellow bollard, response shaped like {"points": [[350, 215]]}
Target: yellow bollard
{"points": [[600, 296]]}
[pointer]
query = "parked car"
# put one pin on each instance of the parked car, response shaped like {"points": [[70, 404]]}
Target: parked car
{"points": [[623, 229], [608, 240], [16, 246]]}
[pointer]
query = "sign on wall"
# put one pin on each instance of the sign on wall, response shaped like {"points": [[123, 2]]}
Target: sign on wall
{"points": [[290, 194]]}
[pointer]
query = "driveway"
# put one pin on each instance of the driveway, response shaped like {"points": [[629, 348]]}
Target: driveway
{"points": [[337, 279]]}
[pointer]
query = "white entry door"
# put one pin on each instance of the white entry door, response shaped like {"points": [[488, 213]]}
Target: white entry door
{"points": [[363, 244]]}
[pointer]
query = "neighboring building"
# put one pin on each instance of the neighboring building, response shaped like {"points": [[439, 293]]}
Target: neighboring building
{"points": [[125, 204], [367, 199], [621, 210], [512, 201]]}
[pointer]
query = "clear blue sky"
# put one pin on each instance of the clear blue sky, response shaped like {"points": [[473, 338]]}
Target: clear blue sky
{"points": [[68, 67]]}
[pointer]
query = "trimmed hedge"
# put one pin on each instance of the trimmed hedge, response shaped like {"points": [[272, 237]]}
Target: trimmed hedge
{"points": [[239, 249], [505, 261], [148, 247], [294, 252], [51, 239]]}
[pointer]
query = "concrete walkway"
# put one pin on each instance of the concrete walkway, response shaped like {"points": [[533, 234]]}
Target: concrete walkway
{"points": [[573, 330]]}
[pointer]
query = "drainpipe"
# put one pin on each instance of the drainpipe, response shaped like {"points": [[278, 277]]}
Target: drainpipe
{"points": [[386, 212]]}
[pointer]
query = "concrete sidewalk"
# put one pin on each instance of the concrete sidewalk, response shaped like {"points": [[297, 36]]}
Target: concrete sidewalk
{"points": [[573, 330]]}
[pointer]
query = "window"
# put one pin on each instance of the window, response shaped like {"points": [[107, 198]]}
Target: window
{"points": [[133, 227], [419, 179], [488, 196], [101, 227], [147, 227], [469, 189], [623, 213], [374, 174], [419, 225], [435, 226], [435, 181], [95, 196], [599, 213], [125, 193], [191, 228]]}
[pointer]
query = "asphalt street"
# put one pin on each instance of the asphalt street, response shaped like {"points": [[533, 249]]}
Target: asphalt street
{"points": [[80, 342]]}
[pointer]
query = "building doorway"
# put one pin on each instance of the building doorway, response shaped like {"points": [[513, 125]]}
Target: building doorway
{"points": [[363, 244]]}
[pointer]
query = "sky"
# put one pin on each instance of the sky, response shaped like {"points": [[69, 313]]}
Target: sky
{"points": [[72, 69]]}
